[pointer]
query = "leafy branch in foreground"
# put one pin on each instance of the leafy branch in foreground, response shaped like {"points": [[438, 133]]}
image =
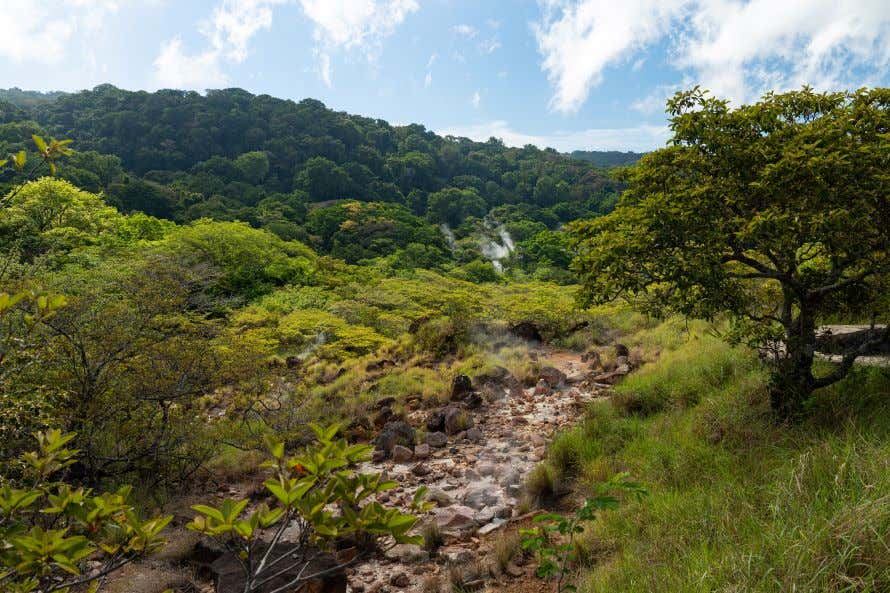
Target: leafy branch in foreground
{"points": [[49, 153], [553, 539], [51, 532], [322, 499]]}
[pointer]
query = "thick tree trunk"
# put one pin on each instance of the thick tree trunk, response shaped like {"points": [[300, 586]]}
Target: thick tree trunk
{"points": [[792, 381]]}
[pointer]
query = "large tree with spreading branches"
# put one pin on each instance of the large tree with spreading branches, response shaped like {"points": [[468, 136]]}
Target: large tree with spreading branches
{"points": [[776, 213]]}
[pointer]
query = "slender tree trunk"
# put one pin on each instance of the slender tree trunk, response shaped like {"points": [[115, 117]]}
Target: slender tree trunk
{"points": [[792, 381]]}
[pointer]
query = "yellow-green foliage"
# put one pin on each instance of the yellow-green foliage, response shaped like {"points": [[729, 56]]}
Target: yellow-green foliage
{"points": [[332, 336]]}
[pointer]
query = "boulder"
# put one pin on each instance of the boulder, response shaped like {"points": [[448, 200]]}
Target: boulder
{"points": [[401, 454], [455, 517], [474, 435], [553, 376], [440, 497], [422, 451], [473, 400], [543, 388], [436, 439], [456, 420], [435, 421], [461, 386], [526, 330], [395, 433], [621, 350], [383, 416]]}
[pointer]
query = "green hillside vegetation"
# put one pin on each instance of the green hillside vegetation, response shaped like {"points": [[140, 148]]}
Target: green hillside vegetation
{"points": [[288, 167]]}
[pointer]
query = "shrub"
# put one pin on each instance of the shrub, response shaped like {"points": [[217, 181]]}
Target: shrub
{"points": [[322, 493], [51, 532]]}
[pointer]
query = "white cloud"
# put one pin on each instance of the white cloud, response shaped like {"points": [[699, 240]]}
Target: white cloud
{"points": [[228, 31], [46, 32], [354, 25], [465, 30], [428, 80], [432, 60], [735, 48], [176, 69], [580, 39], [475, 99], [489, 45], [638, 138], [656, 100]]}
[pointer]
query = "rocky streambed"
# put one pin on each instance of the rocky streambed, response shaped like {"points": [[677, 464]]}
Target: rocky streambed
{"points": [[474, 459]]}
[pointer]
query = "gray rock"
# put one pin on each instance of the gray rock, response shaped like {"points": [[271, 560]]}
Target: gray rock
{"points": [[401, 454], [456, 420], [553, 376], [480, 497], [392, 434], [474, 435], [494, 525], [436, 439], [455, 517], [422, 451], [440, 497]]}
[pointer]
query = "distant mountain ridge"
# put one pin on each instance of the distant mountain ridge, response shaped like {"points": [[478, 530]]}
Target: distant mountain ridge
{"points": [[607, 159]]}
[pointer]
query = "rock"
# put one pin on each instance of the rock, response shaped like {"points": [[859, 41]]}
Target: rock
{"points": [[392, 434], [473, 400], [400, 580], [621, 350], [486, 469], [435, 421], [456, 420], [461, 386], [401, 454], [488, 528], [228, 576], [384, 402], [455, 517], [526, 330], [474, 435], [440, 497], [543, 388], [377, 456], [436, 439], [479, 497], [421, 470], [383, 416], [407, 553], [459, 556], [553, 376], [293, 362], [422, 451]]}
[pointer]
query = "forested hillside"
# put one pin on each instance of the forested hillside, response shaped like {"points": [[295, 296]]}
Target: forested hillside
{"points": [[288, 167]]}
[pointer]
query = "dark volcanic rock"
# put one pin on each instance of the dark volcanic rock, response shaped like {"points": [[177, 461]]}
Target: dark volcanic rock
{"points": [[527, 331], [395, 433], [461, 386], [553, 376], [621, 350]]}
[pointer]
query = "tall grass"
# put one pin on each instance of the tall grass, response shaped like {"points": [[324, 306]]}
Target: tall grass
{"points": [[737, 502]]}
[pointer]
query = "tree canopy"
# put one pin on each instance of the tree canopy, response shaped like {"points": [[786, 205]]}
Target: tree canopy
{"points": [[776, 213]]}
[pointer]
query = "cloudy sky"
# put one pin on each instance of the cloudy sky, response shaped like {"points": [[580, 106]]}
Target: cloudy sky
{"points": [[589, 74]]}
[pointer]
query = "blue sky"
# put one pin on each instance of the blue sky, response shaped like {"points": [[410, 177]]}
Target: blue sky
{"points": [[573, 74]]}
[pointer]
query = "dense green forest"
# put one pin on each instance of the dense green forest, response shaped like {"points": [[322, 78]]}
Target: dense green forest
{"points": [[293, 168]]}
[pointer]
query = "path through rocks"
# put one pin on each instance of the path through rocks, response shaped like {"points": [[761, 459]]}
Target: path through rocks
{"points": [[476, 477]]}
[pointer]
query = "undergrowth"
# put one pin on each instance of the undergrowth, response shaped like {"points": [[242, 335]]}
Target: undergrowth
{"points": [[737, 501]]}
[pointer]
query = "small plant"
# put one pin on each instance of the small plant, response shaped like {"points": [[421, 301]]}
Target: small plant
{"points": [[49, 530], [506, 548], [553, 540], [433, 538], [319, 493]]}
